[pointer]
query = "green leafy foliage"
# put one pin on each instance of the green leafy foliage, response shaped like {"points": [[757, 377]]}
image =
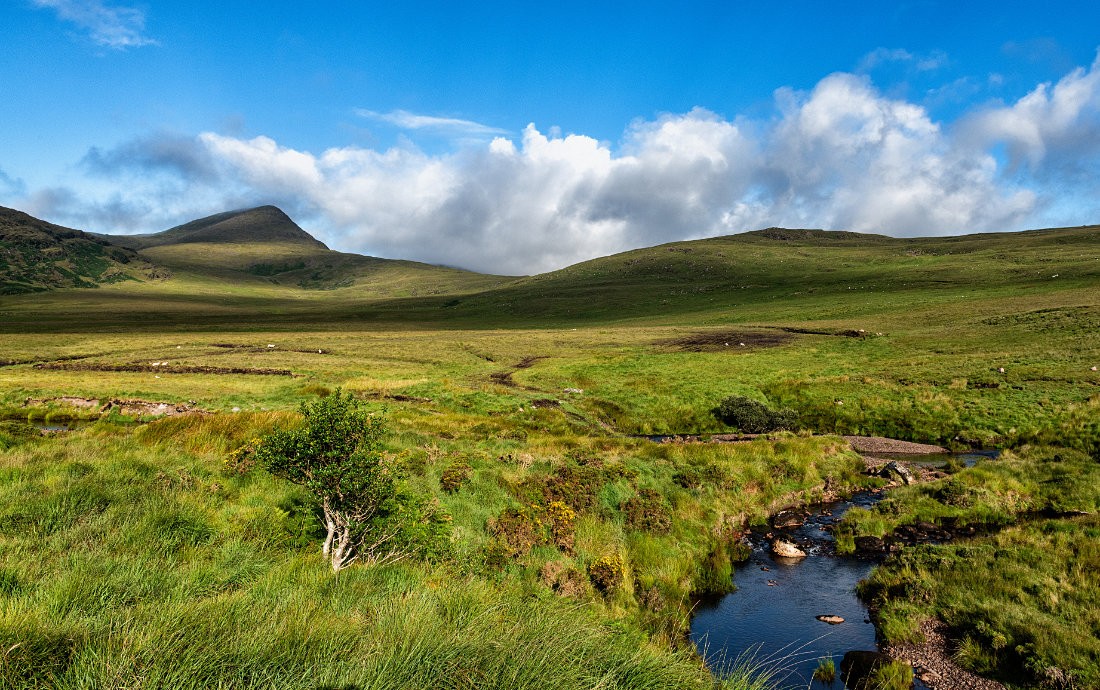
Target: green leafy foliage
{"points": [[336, 455], [753, 417]]}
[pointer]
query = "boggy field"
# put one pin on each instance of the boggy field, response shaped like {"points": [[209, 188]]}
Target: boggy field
{"points": [[566, 548]]}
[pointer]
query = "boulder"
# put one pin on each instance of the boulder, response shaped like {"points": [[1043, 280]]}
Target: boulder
{"points": [[786, 549], [894, 469], [788, 519], [870, 545], [831, 619]]}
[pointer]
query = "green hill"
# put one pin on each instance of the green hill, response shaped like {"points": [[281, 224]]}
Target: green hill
{"points": [[257, 266], [760, 271], [37, 256], [263, 246], [263, 224]]}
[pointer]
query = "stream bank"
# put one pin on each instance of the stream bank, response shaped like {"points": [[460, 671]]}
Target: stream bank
{"points": [[774, 617]]}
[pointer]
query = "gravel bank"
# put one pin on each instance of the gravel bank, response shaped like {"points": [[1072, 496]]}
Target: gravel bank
{"points": [[932, 662], [878, 444]]}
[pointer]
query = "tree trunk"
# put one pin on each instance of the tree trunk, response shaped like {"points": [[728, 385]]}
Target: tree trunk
{"points": [[342, 554], [330, 525]]}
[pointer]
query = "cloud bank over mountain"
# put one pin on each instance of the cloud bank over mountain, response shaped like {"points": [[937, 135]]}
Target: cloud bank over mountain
{"points": [[842, 155]]}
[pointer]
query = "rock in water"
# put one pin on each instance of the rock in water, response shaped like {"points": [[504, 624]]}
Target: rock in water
{"points": [[788, 519], [787, 549], [893, 468], [831, 620]]}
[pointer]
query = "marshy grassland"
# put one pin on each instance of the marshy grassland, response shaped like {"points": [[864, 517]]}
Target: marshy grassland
{"points": [[155, 555]]}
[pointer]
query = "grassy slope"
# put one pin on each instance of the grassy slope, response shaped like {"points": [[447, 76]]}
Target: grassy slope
{"points": [[36, 256]]}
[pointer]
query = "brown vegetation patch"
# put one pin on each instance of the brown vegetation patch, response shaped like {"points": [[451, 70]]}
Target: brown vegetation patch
{"points": [[529, 361], [504, 378], [166, 368], [714, 341], [647, 511], [399, 397], [842, 332], [564, 579]]}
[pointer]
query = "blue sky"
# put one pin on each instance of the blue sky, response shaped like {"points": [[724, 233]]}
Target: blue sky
{"points": [[514, 138]]}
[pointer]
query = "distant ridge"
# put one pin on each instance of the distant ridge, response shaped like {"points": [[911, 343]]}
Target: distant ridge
{"points": [[36, 255], [263, 224], [806, 235]]}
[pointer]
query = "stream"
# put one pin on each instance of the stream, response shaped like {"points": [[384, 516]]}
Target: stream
{"points": [[770, 620]]}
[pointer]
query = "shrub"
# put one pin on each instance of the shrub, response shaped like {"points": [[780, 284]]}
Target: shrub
{"points": [[647, 511], [753, 417], [561, 520], [699, 476], [607, 574], [455, 476], [576, 486], [241, 460], [518, 531]]}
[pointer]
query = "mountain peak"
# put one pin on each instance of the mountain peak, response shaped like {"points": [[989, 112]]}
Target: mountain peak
{"points": [[261, 224]]}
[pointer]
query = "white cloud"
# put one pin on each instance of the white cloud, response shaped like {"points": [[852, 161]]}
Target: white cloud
{"points": [[840, 156], [112, 26], [1052, 126], [406, 120]]}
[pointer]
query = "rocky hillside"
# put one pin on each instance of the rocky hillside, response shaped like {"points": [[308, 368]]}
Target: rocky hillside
{"points": [[36, 256]]}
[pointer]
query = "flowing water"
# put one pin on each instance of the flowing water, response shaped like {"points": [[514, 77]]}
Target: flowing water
{"points": [[771, 617]]}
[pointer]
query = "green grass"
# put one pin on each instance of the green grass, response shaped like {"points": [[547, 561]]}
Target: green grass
{"points": [[140, 556], [1019, 603], [1029, 482], [134, 555]]}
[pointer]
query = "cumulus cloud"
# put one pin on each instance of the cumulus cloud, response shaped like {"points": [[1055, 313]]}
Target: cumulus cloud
{"points": [[1052, 127], [406, 120], [842, 155], [115, 27]]}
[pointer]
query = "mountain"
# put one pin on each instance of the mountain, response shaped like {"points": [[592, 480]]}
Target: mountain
{"points": [[263, 224], [263, 246], [36, 256]]}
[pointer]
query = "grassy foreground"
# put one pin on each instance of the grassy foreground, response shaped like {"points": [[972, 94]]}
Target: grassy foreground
{"points": [[140, 558]]}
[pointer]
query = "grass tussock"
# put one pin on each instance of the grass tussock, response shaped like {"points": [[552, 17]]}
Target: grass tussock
{"points": [[1018, 602]]}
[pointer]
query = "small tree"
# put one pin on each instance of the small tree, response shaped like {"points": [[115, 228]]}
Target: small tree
{"points": [[336, 455]]}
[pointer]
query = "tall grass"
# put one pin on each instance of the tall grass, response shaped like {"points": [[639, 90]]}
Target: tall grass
{"points": [[136, 557]]}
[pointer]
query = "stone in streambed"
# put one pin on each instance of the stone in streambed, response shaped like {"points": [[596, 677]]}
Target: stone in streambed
{"points": [[831, 619], [787, 549]]}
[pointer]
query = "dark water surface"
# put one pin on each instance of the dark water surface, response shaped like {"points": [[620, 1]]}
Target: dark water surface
{"points": [[771, 618], [772, 615]]}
